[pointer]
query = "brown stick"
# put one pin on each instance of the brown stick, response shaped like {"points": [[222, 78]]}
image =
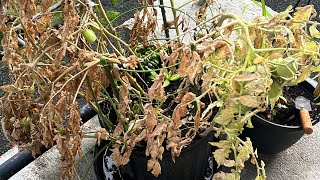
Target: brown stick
{"points": [[306, 121]]}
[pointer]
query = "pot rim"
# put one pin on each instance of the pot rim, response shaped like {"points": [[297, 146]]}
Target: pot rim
{"points": [[190, 147], [312, 83]]}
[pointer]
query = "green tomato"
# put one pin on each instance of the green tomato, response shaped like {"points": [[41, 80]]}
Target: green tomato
{"points": [[286, 69], [89, 35]]}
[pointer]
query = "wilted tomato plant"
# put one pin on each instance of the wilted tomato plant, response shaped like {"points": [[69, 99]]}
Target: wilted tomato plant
{"points": [[237, 68]]}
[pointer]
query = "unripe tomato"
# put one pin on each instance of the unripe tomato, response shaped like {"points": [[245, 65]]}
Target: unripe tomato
{"points": [[89, 35]]}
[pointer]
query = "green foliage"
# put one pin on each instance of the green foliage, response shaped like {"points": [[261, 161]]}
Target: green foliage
{"points": [[112, 14], [114, 2]]}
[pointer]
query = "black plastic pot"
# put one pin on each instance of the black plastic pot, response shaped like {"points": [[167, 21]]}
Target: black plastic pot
{"points": [[192, 164], [271, 138]]}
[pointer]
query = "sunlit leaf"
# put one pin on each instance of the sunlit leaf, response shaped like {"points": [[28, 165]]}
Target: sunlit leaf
{"points": [[220, 155], [225, 116], [250, 101], [218, 103], [314, 32], [306, 71]]}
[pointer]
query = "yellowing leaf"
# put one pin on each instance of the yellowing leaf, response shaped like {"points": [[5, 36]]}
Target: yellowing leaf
{"points": [[225, 116], [211, 106], [247, 77], [222, 144], [250, 101], [314, 32], [311, 46], [220, 155], [258, 60], [306, 71], [226, 176], [229, 163], [303, 13]]}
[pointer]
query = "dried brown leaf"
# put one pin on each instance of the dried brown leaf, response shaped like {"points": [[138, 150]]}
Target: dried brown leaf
{"points": [[150, 118], [131, 62], [181, 109], [156, 91]]}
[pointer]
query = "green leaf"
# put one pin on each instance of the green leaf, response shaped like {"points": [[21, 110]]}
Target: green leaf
{"points": [[166, 83], [154, 74], [151, 77], [274, 92], [112, 15], [174, 77]]}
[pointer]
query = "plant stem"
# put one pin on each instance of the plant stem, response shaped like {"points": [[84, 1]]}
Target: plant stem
{"points": [[107, 70], [174, 12], [263, 6], [165, 23], [105, 120], [104, 15], [111, 35]]}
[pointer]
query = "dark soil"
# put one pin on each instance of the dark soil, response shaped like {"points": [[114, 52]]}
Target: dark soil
{"points": [[289, 116]]}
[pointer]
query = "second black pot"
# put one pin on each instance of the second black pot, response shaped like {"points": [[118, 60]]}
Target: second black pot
{"points": [[271, 138]]}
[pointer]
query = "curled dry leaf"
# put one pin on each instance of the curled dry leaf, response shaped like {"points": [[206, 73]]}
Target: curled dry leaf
{"points": [[208, 47], [102, 134], [173, 57], [190, 65], [185, 62], [150, 118], [131, 62], [156, 91], [181, 109]]}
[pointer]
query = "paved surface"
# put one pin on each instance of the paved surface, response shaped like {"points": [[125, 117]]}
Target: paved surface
{"points": [[301, 161]]}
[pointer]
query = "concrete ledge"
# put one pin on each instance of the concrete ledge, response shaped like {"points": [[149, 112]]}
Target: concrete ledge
{"points": [[8, 154], [47, 166]]}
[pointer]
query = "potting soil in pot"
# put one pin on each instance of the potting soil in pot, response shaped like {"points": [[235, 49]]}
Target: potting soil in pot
{"points": [[284, 112]]}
